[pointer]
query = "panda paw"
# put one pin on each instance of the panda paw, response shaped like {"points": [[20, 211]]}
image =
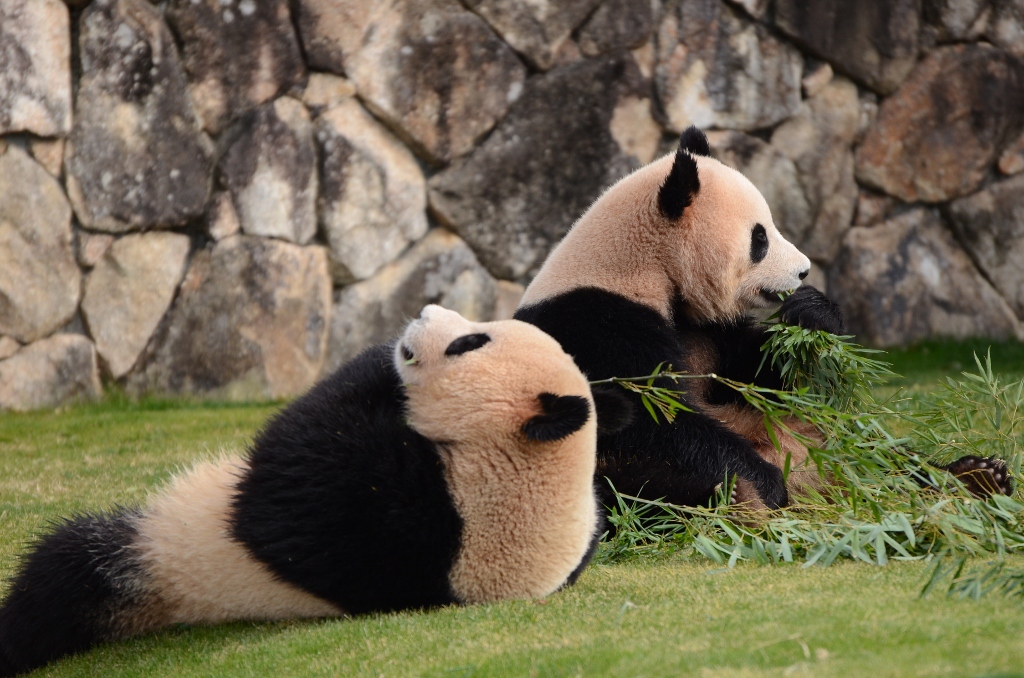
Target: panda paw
{"points": [[809, 308], [982, 476], [772, 489]]}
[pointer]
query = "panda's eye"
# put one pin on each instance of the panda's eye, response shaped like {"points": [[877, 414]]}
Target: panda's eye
{"points": [[467, 343], [758, 244]]}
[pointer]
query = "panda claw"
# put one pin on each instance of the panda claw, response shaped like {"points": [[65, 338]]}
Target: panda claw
{"points": [[983, 477]]}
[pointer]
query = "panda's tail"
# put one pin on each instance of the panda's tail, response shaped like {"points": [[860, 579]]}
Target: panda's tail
{"points": [[79, 585]]}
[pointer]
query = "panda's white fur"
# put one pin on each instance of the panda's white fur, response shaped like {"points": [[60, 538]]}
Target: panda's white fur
{"points": [[453, 467], [625, 245], [199, 572], [501, 484]]}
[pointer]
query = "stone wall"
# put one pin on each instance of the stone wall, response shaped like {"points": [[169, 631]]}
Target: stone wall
{"points": [[230, 197]]}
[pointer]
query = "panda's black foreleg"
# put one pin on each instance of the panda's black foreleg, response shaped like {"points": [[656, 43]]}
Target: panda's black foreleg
{"points": [[812, 310], [73, 590], [682, 462], [739, 344]]}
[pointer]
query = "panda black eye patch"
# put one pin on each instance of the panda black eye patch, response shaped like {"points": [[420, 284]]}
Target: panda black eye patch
{"points": [[407, 355], [467, 343], [758, 244]]}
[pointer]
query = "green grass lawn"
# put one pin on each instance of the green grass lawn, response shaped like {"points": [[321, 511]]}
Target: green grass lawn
{"points": [[657, 617], [931, 362]]}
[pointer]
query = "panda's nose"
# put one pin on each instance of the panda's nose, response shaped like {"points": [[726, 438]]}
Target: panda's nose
{"points": [[803, 273]]}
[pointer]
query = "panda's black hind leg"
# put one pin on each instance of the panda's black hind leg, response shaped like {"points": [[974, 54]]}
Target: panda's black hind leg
{"points": [[982, 476], [75, 588]]}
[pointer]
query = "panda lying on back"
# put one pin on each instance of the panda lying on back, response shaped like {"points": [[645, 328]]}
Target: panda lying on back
{"points": [[454, 467], [666, 268]]}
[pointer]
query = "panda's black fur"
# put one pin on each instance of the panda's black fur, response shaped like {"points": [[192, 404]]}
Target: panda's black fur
{"points": [[70, 592], [304, 506], [339, 497], [611, 335]]}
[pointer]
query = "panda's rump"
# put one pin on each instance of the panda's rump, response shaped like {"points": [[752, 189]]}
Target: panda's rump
{"points": [[202, 574]]}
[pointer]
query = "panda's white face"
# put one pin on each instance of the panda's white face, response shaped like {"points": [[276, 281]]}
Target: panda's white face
{"points": [[513, 419], [684, 226], [730, 214], [480, 382]]}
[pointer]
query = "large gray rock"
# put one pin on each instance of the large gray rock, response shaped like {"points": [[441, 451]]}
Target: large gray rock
{"points": [[755, 8], [333, 29], [135, 158], [35, 67], [873, 208], [615, 25], [990, 224], [956, 19], [270, 169], [8, 347], [324, 91], [814, 81], [221, 218], [872, 41], [238, 54], [938, 136], [373, 196], [906, 279], [774, 174], [574, 131], [819, 141], [48, 373], [718, 69], [1012, 159], [49, 153], [128, 292], [435, 73], [534, 29], [1006, 25], [439, 269], [92, 247], [250, 321], [39, 279]]}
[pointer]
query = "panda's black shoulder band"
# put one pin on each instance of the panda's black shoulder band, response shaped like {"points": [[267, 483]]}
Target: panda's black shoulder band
{"points": [[614, 410]]}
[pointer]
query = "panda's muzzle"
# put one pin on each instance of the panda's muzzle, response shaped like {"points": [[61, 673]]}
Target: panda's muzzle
{"points": [[773, 296]]}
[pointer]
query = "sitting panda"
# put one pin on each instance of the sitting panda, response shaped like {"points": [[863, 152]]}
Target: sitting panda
{"points": [[453, 467], [667, 268]]}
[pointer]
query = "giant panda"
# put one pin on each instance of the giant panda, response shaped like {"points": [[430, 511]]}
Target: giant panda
{"points": [[455, 466], [671, 266]]}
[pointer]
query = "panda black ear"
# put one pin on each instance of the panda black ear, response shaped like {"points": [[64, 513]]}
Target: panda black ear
{"points": [[681, 184], [694, 141], [614, 410], [561, 416]]}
